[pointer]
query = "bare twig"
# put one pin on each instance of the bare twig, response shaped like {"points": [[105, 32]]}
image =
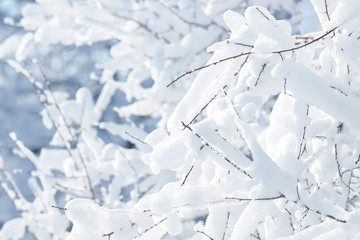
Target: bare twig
{"points": [[202, 232], [262, 70], [263, 14], [257, 236], [60, 208], [108, 235], [304, 38], [242, 65], [327, 10], [301, 148], [148, 229], [226, 225], [187, 175], [139, 140], [209, 65], [240, 44], [339, 90]]}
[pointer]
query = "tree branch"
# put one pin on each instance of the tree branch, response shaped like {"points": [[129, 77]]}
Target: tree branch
{"points": [[217, 152], [209, 65], [306, 44], [256, 199], [248, 53]]}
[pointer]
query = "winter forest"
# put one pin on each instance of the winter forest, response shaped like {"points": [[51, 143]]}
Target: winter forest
{"points": [[179, 119]]}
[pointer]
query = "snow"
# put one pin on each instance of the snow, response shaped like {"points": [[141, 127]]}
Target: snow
{"points": [[9, 45], [14, 229], [85, 215], [306, 85], [259, 138]]}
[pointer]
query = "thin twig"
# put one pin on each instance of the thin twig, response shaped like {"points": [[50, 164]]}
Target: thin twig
{"points": [[261, 72], [209, 65], [135, 138], [263, 14], [205, 234], [242, 65], [327, 10], [306, 44], [326, 215], [60, 208], [187, 175], [226, 225], [339, 90], [148, 229], [256, 199], [204, 107], [241, 44], [108, 235], [301, 149]]}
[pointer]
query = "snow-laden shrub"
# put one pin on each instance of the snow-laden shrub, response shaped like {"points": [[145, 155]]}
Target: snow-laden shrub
{"points": [[262, 144], [293, 173], [94, 154]]}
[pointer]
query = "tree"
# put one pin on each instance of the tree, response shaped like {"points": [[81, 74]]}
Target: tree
{"points": [[262, 144]]}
